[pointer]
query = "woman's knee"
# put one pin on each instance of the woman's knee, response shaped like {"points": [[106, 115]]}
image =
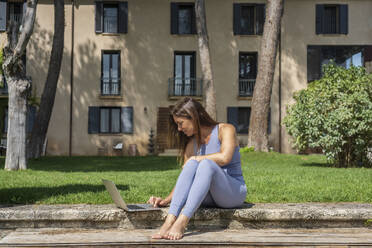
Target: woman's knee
{"points": [[207, 165], [191, 165]]}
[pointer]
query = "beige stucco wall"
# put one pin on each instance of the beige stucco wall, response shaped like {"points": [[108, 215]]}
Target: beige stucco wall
{"points": [[147, 57]]}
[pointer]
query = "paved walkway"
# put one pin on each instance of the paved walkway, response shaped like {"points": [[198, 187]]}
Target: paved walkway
{"points": [[141, 238]]}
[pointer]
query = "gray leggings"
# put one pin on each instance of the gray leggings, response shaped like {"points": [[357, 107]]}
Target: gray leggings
{"points": [[206, 183]]}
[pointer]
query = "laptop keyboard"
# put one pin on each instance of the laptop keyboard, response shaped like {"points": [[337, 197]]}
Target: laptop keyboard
{"points": [[135, 207]]}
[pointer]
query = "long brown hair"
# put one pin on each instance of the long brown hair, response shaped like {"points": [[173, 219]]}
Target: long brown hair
{"points": [[194, 111]]}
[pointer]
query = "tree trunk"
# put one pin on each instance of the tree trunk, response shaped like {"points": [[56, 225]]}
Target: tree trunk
{"points": [[16, 137], [205, 59], [41, 124], [18, 88], [257, 136]]}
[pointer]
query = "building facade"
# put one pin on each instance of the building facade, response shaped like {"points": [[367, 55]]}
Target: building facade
{"points": [[126, 62]]}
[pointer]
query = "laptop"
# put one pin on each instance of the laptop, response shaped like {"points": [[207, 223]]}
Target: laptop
{"points": [[119, 201]]}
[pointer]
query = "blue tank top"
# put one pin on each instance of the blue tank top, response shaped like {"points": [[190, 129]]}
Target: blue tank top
{"points": [[233, 168]]}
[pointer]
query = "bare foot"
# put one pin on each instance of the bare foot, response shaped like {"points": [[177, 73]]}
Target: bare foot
{"points": [[163, 232], [178, 228]]}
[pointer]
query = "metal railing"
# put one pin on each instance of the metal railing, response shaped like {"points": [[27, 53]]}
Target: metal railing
{"points": [[17, 18], [246, 87], [110, 86], [185, 86]]}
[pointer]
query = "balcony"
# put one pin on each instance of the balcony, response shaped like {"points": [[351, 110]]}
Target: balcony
{"points": [[17, 18], [246, 87], [185, 87], [110, 86]]}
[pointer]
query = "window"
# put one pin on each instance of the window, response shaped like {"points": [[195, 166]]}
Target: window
{"points": [[110, 74], [183, 18], [249, 19], [345, 56], [184, 82], [15, 12], [247, 73], [110, 120], [240, 116], [11, 11], [111, 17], [331, 19]]}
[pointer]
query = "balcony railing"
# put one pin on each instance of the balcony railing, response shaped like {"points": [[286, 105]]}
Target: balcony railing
{"points": [[185, 87], [110, 86], [246, 87], [17, 18]]}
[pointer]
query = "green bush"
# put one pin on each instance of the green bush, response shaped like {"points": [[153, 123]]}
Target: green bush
{"points": [[246, 149], [335, 114]]}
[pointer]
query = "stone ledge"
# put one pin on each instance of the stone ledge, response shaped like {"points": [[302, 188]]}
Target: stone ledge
{"points": [[296, 215]]}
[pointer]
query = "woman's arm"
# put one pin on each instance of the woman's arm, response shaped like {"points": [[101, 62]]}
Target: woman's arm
{"points": [[228, 144], [158, 201]]}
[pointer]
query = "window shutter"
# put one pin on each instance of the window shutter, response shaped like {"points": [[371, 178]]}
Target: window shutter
{"points": [[236, 21], [319, 18], [99, 17], [344, 18], [193, 20], [93, 120], [174, 18], [3, 18], [232, 116], [30, 118], [127, 119], [260, 18], [123, 17]]}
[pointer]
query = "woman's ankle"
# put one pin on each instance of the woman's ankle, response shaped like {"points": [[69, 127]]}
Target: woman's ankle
{"points": [[170, 218]]}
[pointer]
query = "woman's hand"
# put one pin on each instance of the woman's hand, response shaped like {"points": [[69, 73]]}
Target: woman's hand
{"points": [[197, 158], [157, 202]]}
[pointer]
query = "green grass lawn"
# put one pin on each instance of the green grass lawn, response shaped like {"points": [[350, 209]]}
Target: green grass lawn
{"points": [[270, 177]]}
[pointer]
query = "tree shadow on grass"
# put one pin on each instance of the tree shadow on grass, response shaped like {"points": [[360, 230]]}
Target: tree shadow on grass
{"points": [[312, 164], [103, 164], [30, 195]]}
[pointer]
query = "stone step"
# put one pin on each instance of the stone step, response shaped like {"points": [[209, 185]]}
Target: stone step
{"points": [[260, 215], [202, 238]]}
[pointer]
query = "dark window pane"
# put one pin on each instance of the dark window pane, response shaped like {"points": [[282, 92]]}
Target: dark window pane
{"points": [[243, 119], [115, 120], [15, 12], [331, 20], [247, 73], [110, 73], [248, 65], [184, 75], [110, 19], [104, 120], [185, 19], [247, 20], [318, 56]]}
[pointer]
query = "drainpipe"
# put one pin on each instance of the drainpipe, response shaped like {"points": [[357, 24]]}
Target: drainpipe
{"points": [[72, 74], [280, 82]]}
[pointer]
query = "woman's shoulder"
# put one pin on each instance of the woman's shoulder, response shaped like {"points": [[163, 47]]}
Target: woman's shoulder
{"points": [[226, 127]]}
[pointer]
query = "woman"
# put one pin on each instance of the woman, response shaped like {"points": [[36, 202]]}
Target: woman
{"points": [[211, 173]]}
